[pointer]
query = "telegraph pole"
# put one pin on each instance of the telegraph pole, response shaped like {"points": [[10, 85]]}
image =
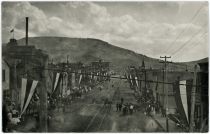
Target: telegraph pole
{"points": [[193, 100], [43, 114], [165, 87], [67, 59], [145, 84]]}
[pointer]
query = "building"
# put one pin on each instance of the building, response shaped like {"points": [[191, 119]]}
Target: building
{"points": [[5, 79], [22, 62], [183, 96], [202, 98]]}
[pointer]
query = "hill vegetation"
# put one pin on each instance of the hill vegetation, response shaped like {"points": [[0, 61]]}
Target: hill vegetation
{"points": [[88, 50]]}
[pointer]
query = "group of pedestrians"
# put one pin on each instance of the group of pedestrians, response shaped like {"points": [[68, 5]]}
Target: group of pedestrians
{"points": [[10, 116], [126, 109], [154, 108]]}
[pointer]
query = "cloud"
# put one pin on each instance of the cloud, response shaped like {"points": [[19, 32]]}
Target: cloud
{"points": [[92, 20]]}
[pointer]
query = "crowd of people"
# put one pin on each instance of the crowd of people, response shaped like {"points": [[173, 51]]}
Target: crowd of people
{"points": [[154, 108], [10, 116], [125, 108]]}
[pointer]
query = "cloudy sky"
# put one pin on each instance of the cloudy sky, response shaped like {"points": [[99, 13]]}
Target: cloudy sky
{"points": [[179, 29]]}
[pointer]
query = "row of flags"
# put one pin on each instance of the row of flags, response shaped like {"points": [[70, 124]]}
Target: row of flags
{"points": [[133, 80], [74, 80], [28, 88], [65, 79], [182, 95]]}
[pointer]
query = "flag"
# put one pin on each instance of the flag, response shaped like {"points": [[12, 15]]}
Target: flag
{"points": [[126, 76], [183, 94], [131, 79], [65, 83], [96, 77], [27, 90], [23, 92], [80, 78], [92, 75], [181, 98], [11, 31], [68, 92], [56, 81], [73, 83], [33, 87], [90, 88], [137, 81]]}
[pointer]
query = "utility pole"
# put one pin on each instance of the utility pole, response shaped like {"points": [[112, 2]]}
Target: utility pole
{"points": [[193, 100], [165, 87], [186, 68], [43, 115], [145, 84], [67, 59]]}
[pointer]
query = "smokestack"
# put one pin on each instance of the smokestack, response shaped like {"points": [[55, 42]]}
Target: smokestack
{"points": [[26, 31]]}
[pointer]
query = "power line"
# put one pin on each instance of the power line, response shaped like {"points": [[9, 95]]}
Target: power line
{"points": [[183, 45], [203, 35], [120, 77], [187, 27]]}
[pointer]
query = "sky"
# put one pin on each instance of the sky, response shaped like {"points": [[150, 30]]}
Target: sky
{"points": [[176, 29]]}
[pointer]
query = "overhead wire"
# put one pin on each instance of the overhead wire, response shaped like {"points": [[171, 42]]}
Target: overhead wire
{"points": [[193, 45], [185, 29], [184, 44]]}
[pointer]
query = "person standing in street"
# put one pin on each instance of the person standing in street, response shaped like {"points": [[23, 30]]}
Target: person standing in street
{"points": [[117, 106], [122, 100], [124, 110], [131, 109], [120, 107]]}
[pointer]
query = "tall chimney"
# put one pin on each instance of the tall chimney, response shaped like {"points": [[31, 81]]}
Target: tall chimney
{"points": [[26, 31]]}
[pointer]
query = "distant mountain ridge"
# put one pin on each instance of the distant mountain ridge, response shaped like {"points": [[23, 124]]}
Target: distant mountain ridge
{"points": [[88, 50]]}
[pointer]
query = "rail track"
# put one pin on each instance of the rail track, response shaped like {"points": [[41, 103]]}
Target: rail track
{"points": [[97, 120]]}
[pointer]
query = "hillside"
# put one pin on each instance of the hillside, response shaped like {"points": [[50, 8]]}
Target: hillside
{"points": [[88, 50], [198, 61]]}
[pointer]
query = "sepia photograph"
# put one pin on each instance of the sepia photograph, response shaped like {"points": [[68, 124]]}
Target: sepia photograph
{"points": [[105, 66]]}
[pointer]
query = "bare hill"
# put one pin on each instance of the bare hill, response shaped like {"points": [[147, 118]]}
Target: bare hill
{"points": [[88, 50]]}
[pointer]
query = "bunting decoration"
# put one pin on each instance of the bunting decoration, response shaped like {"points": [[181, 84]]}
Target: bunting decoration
{"points": [[80, 78], [137, 81], [27, 90], [95, 77], [68, 92], [128, 78], [56, 81], [183, 95], [181, 98], [92, 75], [23, 92], [73, 81], [65, 83], [131, 79]]}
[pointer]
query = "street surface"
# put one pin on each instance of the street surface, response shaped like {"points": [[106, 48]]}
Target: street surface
{"points": [[89, 114], [86, 115]]}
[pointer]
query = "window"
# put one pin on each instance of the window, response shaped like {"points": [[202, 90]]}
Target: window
{"points": [[3, 75]]}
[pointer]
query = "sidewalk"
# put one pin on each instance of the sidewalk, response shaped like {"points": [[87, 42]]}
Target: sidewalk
{"points": [[162, 122]]}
